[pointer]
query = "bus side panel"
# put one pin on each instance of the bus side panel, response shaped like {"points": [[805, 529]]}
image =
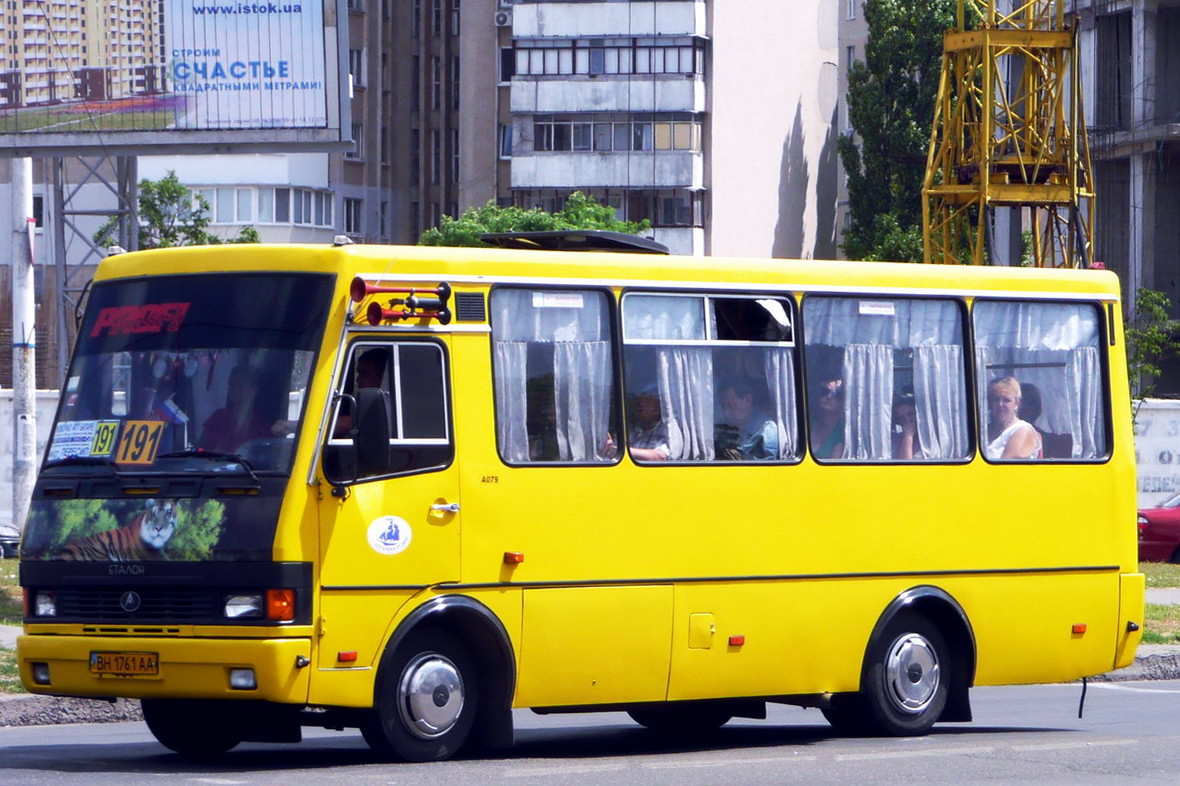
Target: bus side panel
{"points": [[353, 623], [594, 645], [1024, 625], [1134, 590], [794, 637]]}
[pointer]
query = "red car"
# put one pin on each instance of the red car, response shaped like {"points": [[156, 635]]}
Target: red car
{"points": [[1159, 532]]}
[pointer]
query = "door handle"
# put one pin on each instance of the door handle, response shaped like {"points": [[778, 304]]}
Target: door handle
{"points": [[446, 507]]}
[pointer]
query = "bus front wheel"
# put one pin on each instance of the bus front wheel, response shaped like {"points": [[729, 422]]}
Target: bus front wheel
{"points": [[905, 681], [425, 699], [195, 729]]}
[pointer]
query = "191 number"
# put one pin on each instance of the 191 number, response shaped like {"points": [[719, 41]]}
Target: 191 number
{"points": [[139, 441]]}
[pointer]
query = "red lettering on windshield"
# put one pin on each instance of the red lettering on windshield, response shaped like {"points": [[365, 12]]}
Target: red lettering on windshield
{"points": [[150, 318]]}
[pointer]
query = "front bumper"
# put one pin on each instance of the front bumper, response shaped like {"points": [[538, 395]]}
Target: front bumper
{"points": [[189, 668]]}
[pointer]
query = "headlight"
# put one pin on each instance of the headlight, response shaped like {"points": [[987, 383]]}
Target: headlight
{"points": [[246, 606], [45, 604]]}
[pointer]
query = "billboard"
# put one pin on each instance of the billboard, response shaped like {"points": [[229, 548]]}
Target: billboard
{"points": [[190, 76]]}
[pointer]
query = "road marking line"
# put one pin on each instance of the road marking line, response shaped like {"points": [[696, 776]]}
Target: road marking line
{"points": [[685, 765], [911, 753], [1064, 746], [1129, 689], [217, 781], [542, 772]]}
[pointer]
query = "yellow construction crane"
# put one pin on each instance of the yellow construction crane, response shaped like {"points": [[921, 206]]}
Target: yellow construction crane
{"points": [[1009, 132]]}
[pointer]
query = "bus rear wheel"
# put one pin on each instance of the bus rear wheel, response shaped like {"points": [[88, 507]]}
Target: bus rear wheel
{"points": [[426, 699], [905, 682], [675, 719], [196, 729]]}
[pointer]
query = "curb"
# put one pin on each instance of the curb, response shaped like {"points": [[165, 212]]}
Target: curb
{"points": [[51, 710], [1152, 662]]}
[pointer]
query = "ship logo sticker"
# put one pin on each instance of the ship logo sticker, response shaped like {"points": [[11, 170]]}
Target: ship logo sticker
{"points": [[389, 535]]}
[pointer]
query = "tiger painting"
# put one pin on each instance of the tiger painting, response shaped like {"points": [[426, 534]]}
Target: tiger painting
{"points": [[143, 539]]}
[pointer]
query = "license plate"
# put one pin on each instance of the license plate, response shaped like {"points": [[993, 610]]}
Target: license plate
{"points": [[124, 663]]}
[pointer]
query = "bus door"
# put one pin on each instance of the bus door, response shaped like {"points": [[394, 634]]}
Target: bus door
{"points": [[388, 528]]}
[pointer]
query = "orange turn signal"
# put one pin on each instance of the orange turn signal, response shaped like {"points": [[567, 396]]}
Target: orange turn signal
{"points": [[513, 557], [1079, 628], [346, 657], [737, 641], [280, 605]]}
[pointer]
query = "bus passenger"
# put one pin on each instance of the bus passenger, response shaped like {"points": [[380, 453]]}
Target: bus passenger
{"points": [[239, 421], [905, 424], [370, 373], [1008, 436], [827, 430], [757, 433], [650, 438]]}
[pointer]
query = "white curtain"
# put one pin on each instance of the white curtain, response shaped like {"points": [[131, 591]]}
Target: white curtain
{"points": [[940, 401], [582, 382], [511, 360], [572, 329], [685, 379], [868, 401], [780, 383]]}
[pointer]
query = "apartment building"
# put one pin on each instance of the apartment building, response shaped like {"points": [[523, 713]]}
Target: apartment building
{"points": [[64, 50], [713, 121], [1130, 51]]}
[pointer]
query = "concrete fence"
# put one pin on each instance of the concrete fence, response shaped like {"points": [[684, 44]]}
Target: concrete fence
{"points": [[46, 404]]}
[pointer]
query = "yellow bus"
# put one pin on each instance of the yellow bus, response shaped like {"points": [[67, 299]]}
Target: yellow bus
{"points": [[409, 490]]}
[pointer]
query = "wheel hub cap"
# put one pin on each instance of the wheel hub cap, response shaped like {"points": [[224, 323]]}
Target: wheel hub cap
{"points": [[430, 695], [911, 673]]}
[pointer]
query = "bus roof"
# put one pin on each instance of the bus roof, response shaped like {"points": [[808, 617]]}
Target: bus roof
{"points": [[489, 266]]}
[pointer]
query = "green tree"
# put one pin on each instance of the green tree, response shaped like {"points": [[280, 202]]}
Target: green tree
{"points": [[197, 531], [1150, 341], [580, 212], [891, 96], [79, 518], [169, 216]]}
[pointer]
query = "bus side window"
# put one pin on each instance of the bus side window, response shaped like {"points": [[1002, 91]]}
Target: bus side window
{"points": [[554, 376], [1039, 364], [414, 376], [887, 379], [710, 377]]}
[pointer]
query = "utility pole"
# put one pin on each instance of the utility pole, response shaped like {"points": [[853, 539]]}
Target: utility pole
{"points": [[24, 343]]}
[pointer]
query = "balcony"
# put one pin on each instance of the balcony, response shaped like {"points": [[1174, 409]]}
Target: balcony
{"points": [[532, 20], [662, 169], [608, 93]]}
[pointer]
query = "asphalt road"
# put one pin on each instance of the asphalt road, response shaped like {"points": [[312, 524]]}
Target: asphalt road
{"points": [[1031, 734]]}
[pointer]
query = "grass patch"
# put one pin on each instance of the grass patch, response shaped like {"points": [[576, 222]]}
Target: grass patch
{"points": [[1163, 624], [1161, 574], [9, 674], [11, 603], [11, 610]]}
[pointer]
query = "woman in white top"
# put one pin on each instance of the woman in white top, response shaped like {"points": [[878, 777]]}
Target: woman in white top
{"points": [[1008, 436]]}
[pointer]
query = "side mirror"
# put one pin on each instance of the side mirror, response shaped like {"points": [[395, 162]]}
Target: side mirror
{"points": [[371, 430]]}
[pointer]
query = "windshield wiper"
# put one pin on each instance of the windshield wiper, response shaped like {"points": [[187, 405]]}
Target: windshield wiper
{"points": [[84, 461], [214, 455]]}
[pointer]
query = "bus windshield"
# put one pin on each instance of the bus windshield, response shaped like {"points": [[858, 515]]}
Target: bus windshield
{"points": [[197, 382], [170, 373]]}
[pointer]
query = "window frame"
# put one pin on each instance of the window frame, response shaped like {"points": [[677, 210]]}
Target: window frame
{"points": [[966, 326], [351, 351], [706, 295], [1103, 345], [613, 316]]}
